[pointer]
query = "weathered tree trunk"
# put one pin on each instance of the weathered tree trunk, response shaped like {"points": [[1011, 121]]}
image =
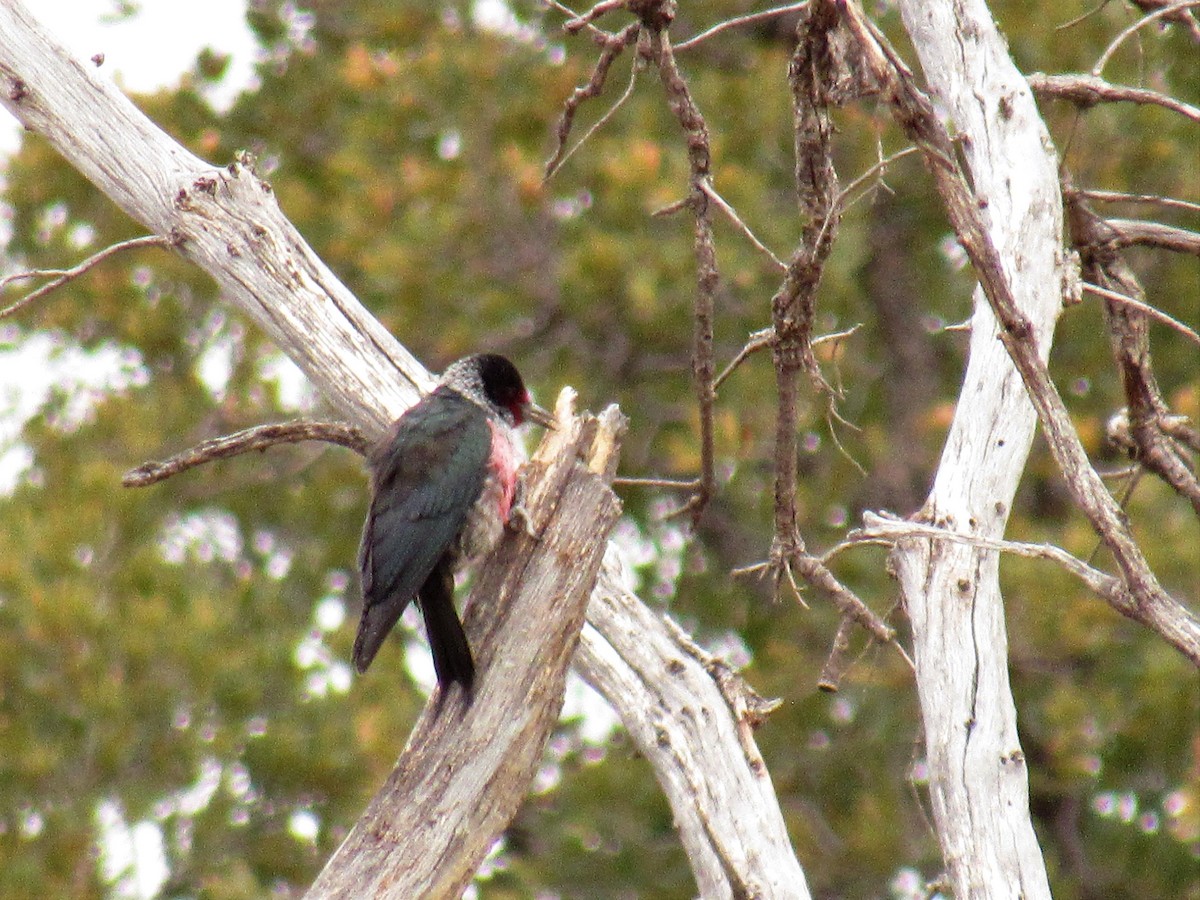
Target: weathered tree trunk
{"points": [[978, 778], [426, 832]]}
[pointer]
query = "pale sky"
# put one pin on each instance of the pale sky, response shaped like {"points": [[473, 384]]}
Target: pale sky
{"points": [[150, 49]]}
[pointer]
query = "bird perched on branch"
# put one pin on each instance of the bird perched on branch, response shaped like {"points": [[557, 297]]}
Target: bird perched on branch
{"points": [[443, 485]]}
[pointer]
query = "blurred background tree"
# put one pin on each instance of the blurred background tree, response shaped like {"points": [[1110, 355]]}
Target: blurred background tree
{"points": [[173, 681]]}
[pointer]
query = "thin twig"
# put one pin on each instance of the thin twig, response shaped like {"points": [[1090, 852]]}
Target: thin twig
{"points": [[1179, 428], [882, 527], [732, 215], [1081, 18], [62, 276], [832, 416], [1120, 197], [1095, 238], [838, 660], [1138, 233], [1144, 307], [571, 15], [1182, 17], [748, 19], [683, 484], [1088, 90], [673, 207], [605, 6], [561, 160], [878, 168], [761, 340], [1124, 35], [679, 98], [258, 438], [610, 48]]}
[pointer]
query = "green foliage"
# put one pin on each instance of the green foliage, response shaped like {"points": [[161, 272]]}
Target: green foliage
{"points": [[163, 649]]}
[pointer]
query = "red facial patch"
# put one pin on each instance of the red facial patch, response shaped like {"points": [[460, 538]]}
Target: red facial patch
{"points": [[518, 408]]}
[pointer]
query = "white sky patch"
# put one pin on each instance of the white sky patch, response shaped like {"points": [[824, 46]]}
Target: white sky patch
{"points": [[304, 825], [35, 368], [450, 144], [329, 614], [497, 16], [595, 719], [32, 823], [293, 391], [325, 673], [152, 48], [207, 535], [15, 461], [133, 860], [418, 660], [214, 368]]}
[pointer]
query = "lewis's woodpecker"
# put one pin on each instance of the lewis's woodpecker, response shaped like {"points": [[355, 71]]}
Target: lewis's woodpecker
{"points": [[443, 484]]}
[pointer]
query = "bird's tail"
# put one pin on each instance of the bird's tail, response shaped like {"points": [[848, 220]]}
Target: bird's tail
{"points": [[451, 653], [378, 619]]}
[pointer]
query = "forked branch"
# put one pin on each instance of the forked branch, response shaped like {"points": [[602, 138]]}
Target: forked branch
{"points": [[59, 277]]}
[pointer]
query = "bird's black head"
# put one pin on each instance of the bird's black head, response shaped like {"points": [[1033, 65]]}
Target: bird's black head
{"points": [[491, 381], [502, 384]]}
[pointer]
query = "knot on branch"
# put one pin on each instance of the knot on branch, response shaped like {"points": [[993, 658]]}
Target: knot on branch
{"points": [[829, 66], [656, 15]]}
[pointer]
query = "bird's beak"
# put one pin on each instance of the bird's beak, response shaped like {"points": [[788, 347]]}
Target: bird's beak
{"points": [[535, 413]]}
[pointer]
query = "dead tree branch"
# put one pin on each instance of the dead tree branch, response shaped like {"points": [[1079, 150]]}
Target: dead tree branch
{"points": [[1153, 606], [604, 6], [882, 527], [838, 661], [731, 214], [794, 304], [1121, 197], [1141, 306], [762, 340], [722, 808], [1175, 14], [235, 231], [1136, 233], [611, 47], [656, 17], [749, 19], [1098, 243], [258, 438], [59, 277], [821, 77], [1087, 90], [1159, 10]]}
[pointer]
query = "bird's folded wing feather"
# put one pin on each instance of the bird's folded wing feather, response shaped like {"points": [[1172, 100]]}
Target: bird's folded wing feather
{"points": [[427, 476]]}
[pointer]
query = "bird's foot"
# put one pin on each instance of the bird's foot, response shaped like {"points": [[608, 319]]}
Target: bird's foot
{"points": [[518, 520]]}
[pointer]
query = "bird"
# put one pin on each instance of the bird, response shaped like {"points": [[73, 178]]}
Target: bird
{"points": [[443, 486]]}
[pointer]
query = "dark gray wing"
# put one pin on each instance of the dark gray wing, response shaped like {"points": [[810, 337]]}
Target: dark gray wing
{"points": [[427, 476]]}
